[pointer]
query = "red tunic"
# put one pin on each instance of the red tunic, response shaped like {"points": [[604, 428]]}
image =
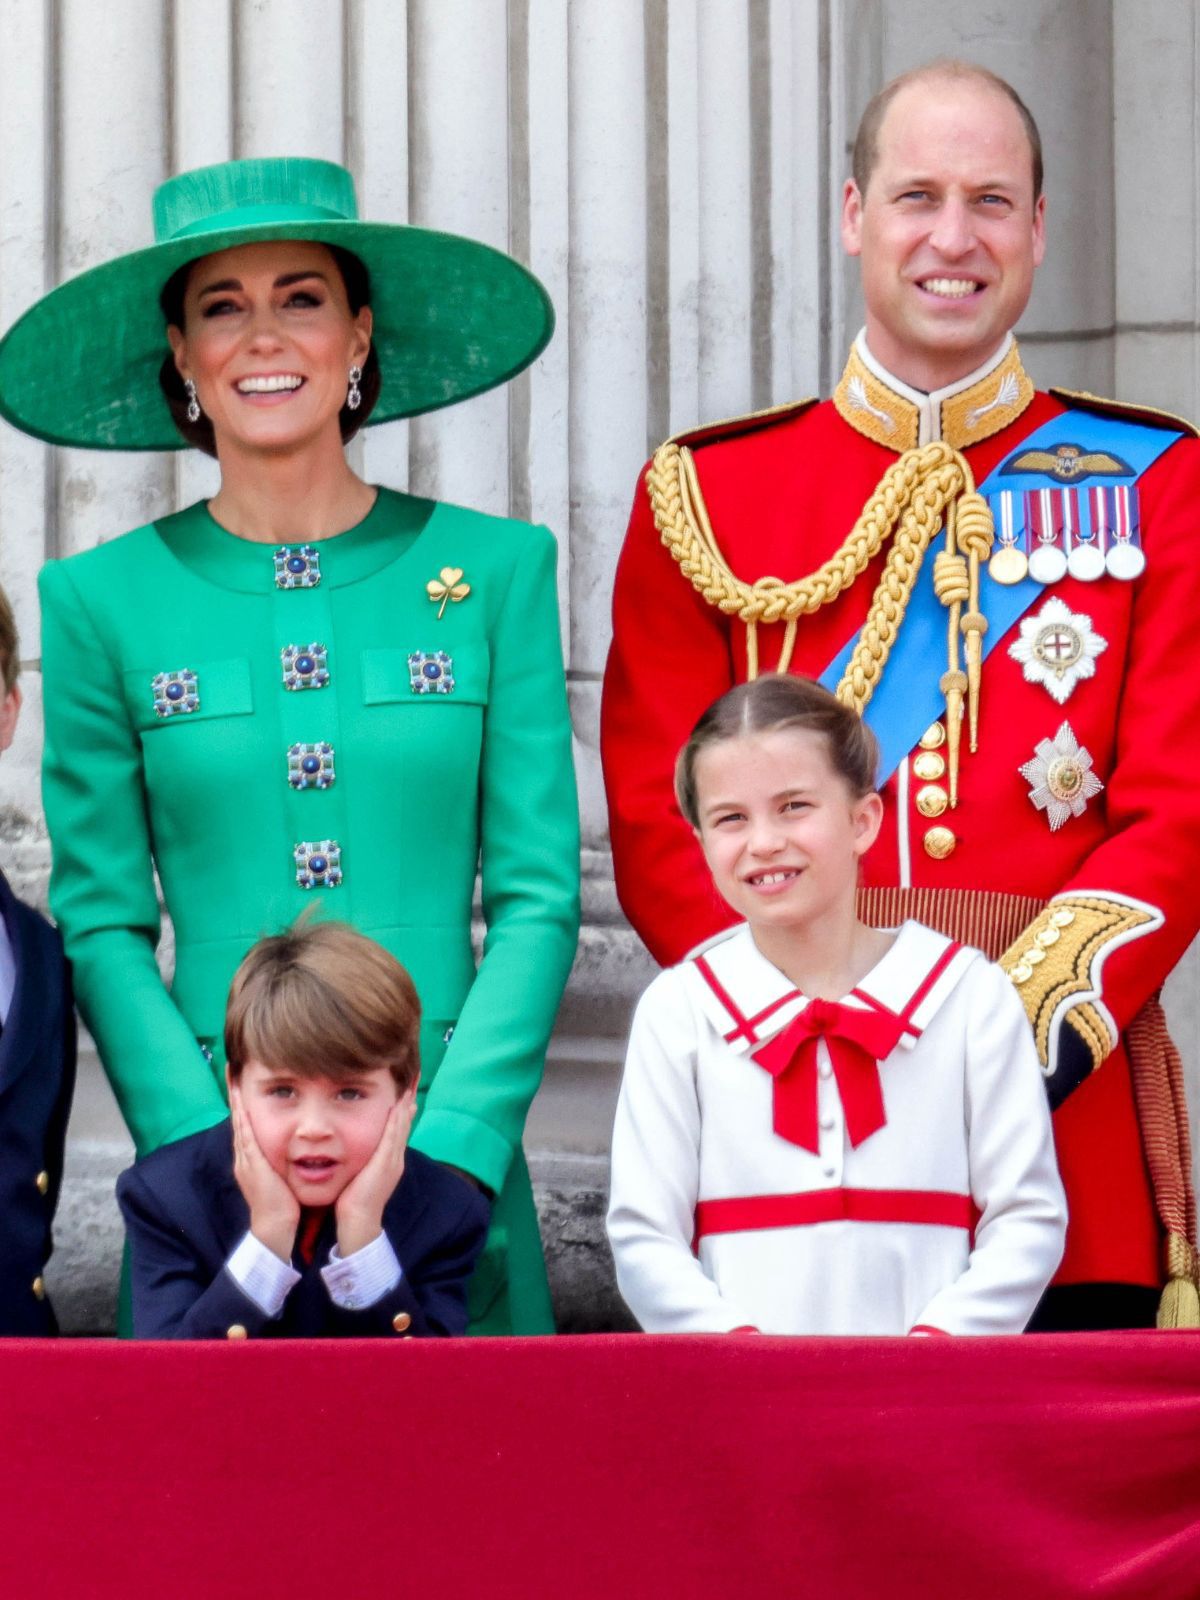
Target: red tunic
{"points": [[781, 498]]}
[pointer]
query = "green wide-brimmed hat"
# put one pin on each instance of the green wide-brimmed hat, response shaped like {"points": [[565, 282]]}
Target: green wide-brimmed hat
{"points": [[452, 317]]}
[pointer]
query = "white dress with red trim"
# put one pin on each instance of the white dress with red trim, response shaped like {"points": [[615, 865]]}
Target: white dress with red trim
{"points": [[876, 1166]]}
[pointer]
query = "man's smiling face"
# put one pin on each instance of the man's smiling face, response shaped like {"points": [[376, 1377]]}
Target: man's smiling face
{"points": [[948, 229]]}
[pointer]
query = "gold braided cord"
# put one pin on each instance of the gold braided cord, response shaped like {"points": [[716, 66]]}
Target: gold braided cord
{"points": [[909, 502], [915, 493]]}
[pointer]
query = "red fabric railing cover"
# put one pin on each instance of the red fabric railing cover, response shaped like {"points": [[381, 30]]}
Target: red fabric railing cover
{"points": [[614, 1467]]}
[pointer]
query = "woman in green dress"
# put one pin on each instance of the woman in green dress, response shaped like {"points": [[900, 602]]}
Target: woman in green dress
{"points": [[308, 688]]}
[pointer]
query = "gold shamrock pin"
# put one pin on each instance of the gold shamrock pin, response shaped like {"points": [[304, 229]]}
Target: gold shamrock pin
{"points": [[447, 586]]}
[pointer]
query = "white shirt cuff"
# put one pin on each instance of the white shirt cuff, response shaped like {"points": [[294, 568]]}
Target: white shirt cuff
{"points": [[261, 1275], [363, 1278]]}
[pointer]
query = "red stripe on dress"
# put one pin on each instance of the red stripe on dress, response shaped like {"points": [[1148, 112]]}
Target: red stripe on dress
{"points": [[935, 972], [743, 1029], [937, 1208], [757, 1021], [922, 991], [870, 1001]]}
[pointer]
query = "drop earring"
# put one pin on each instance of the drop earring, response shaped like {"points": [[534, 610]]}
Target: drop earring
{"points": [[354, 396], [193, 405]]}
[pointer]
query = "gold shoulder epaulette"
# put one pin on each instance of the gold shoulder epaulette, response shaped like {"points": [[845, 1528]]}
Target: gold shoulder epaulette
{"points": [[738, 427], [1151, 416]]}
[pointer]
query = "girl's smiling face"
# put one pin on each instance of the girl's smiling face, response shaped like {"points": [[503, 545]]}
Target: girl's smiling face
{"points": [[780, 829]]}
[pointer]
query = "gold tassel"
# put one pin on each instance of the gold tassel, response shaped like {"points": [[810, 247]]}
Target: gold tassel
{"points": [[1180, 1303], [975, 532], [954, 687], [751, 651]]}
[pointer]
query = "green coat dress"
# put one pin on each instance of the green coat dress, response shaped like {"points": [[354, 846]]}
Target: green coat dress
{"points": [[266, 740]]}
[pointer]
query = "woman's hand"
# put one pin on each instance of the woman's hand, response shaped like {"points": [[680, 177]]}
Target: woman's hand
{"points": [[359, 1207], [274, 1209]]}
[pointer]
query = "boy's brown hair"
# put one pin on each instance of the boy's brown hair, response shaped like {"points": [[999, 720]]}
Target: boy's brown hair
{"points": [[772, 704], [323, 1001], [10, 656]]}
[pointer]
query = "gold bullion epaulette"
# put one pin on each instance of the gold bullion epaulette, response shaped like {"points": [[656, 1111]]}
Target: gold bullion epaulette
{"points": [[1149, 416], [739, 427]]}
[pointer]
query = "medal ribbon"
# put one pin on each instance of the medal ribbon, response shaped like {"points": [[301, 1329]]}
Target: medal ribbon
{"points": [[909, 697], [857, 1042]]}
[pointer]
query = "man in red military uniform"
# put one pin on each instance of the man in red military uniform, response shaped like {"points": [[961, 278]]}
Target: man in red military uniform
{"points": [[1036, 701]]}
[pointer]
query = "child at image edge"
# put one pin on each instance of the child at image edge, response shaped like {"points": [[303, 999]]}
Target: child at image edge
{"points": [[823, 1127], [304, 1214]]}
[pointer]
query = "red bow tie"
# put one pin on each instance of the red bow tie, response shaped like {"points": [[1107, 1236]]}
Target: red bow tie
{"points": [[858, 1041]]}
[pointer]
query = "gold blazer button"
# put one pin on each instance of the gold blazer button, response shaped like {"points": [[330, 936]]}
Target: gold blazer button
{"points": [[933, 738], [39, 1288], [932, 801], [939, 843], [929, 765], [43, 1182], [402, 1322], [236, 1331]]}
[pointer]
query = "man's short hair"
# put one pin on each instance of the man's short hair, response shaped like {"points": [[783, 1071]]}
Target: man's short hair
{"points": [[866, 140], [323, 1001], [10, 654]]}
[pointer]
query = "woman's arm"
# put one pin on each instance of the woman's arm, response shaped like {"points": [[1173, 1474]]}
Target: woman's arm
{"points": [[102, 887], [529, 842]]}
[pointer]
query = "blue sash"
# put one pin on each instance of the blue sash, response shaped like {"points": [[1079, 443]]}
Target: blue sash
{"points": [[908, 697]]}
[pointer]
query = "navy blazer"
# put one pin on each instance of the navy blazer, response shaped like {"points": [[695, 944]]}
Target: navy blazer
{"points": [[185, 1215], [37, 1079]]}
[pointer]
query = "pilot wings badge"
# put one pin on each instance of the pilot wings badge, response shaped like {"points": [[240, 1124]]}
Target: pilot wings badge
{"points": [[1069, 463]]}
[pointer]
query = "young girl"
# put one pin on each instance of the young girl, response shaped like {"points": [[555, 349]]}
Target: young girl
{"points": [[823, 1127]]}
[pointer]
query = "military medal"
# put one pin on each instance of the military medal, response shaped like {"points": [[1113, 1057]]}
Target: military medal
{"points": [[1057, 648], [1084, 533], [1043, 535], [1124, 557], [1009, 563], [1060, 777]]}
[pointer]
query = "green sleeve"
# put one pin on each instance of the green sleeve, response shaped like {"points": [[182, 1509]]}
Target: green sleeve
{"points": [[102, 889], [529, 841]]}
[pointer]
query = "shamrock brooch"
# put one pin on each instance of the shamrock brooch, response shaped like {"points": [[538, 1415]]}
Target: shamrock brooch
{"points": [[446, 587]]}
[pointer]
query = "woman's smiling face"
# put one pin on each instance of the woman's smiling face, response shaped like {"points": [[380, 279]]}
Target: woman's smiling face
{"points": [[269, 340]]}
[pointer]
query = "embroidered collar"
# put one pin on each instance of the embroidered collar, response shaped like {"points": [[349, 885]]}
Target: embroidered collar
{"points": [[747, 1000], [886, 410]]}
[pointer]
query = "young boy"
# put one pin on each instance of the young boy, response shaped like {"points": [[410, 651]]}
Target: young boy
{"points": [[304, 1214], [37, 1069]]}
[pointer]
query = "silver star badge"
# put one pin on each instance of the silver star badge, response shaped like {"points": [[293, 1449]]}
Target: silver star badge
{"points": [[1060, 777], [1057, 648]]}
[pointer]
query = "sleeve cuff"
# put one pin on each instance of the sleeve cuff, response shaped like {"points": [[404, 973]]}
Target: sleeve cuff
{"points": [[362, 1279], [261, 1275]]}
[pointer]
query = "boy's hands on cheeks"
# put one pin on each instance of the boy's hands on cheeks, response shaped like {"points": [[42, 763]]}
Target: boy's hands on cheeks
{"points": [[274, 1209], [359, 1207]]}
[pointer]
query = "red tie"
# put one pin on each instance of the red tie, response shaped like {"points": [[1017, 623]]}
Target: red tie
{"points": [[858, 1041]]}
